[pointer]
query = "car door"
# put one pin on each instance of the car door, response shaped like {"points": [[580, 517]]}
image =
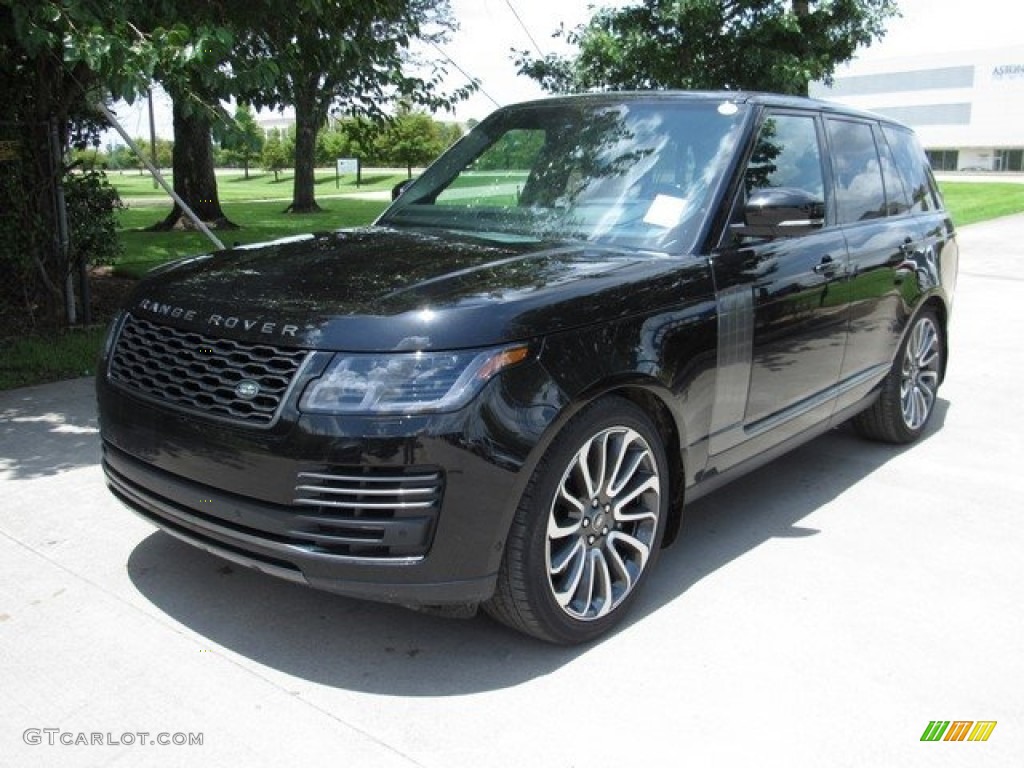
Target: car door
{"points": [[887, 247], [782, 299]]}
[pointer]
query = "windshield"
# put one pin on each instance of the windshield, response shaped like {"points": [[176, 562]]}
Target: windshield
{"points": [[635, 174]]}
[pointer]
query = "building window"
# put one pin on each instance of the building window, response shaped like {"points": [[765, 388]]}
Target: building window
{"points": [[1010, 159], [895, 82], [929, 114], [943, 159]]}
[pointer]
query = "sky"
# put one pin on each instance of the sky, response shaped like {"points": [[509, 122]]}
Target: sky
{"points": [[490, 30]]}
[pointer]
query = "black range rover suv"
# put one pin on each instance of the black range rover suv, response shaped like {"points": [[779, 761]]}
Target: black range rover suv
{"points": [[589, 312]]}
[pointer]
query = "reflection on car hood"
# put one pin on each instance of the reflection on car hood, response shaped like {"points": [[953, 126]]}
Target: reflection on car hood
{"points": [[376, 289]]}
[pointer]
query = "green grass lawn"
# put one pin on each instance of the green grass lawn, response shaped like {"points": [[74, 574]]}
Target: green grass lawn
{"points": [[970, 202], [233, 186], [38, 359]]}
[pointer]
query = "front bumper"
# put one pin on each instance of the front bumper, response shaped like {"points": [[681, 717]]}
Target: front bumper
{"points": [[410, 511]]}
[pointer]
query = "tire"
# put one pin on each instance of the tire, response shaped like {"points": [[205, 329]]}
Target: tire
{"points": [[909, 391], [588, 527]]}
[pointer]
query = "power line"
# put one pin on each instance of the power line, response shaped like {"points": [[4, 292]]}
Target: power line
{"points": [[465, 74], [527, 31]]}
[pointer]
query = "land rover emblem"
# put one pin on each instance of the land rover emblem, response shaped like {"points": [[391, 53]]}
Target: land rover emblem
{"points": [[247, 389]]}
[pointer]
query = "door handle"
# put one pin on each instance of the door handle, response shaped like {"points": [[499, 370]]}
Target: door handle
{"points": [[827, 266]]}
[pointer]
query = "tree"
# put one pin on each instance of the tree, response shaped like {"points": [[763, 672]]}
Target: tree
{"points": [[361, 137], [770, 45], [450, 133], [351, 54], [121, 157], [243, 138], [214, 67], [192, 167], [331, 144], [57, 58], [273, 156], [196, 83], [411, 138], [164, 152]]}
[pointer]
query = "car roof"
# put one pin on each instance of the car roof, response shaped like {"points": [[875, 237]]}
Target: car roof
{"points": [[757, 98]]}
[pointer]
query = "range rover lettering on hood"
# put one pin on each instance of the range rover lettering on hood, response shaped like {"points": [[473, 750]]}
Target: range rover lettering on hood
{"points": [[257, 325]]}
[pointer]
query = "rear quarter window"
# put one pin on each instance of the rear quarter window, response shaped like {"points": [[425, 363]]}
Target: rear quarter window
{"points": [[912, 166], [896, 192]]}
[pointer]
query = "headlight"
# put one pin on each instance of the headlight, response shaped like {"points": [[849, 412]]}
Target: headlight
{"points": [[405, 382]]}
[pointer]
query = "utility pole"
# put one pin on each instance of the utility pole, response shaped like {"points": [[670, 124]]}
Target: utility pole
{"points": [[152, 134]]}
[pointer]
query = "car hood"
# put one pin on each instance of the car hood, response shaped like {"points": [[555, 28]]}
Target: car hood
{"points": [[379, 289]]}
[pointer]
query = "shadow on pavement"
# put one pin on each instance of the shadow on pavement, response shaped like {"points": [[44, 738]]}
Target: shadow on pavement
{"points": [[48, 429], [769, 504], [338, 642]]}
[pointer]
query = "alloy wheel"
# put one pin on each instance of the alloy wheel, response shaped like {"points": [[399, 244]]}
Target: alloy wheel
{"points": [[920, 374], [602, 523]]}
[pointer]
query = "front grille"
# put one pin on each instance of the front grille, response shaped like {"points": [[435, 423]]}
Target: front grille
{"points": [[201, 373], [367, 511]]}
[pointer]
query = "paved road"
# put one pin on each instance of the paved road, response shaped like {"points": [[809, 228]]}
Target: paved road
{"points": [[819, 613]]}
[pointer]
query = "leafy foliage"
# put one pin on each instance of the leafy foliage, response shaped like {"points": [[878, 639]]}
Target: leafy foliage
{"points": [[57, 58], [92, 205], [242, 138], [349, 55], [26, 253], [412, 138], [164, 153], [274, 156], [516, 150], [768, 45]]}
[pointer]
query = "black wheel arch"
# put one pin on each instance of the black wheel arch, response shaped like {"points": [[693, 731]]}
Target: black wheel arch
{"points": [[651, 397], [936, 304]]}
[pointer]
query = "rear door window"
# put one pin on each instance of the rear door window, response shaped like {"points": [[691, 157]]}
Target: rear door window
{"points": [[860, 191]]}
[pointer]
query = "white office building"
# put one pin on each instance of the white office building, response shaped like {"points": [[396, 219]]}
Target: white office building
{"points": [[967, 106]]}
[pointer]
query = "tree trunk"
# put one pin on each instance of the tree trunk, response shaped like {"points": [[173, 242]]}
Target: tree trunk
{"points": [[194, 177], [307, 124], [44, 259]]}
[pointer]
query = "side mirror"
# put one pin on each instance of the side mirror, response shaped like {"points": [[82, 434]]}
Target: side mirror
{"points": [[781, 212], [399, 188]]}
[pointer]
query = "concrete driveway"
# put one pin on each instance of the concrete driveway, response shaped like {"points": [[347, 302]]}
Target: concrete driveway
{"points": [[821, 612]]}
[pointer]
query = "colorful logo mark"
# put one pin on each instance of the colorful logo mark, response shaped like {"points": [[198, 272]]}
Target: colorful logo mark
{"points": [[958, 730]]}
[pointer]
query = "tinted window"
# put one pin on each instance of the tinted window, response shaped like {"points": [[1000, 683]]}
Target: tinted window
{"points": [[860, 193], [634, 174], [497, 177], [912, 164], [896, 195], [787, 155]]}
